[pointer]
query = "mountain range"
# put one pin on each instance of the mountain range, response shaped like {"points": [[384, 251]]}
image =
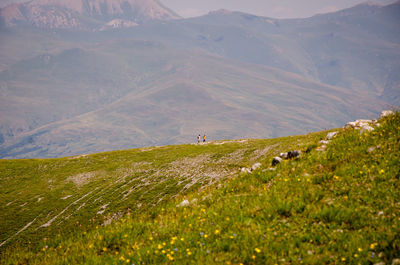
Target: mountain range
{"points": [[84, 14], [90, 76]]}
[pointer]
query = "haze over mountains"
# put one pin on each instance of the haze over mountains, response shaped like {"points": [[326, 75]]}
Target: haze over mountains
{"points": [[84, 14], [88, 76]]}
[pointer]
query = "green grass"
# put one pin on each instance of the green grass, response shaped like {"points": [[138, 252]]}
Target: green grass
{"points": [[335, 207], [67, 193]]}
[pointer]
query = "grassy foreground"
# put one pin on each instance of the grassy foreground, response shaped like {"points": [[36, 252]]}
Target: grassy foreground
{"points": [[337, 206]]}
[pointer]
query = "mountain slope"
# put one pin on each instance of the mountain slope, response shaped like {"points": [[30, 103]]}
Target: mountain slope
{"points": [[335, 206], [160, 101], [357, 48], [83, 14], [91, 189]]}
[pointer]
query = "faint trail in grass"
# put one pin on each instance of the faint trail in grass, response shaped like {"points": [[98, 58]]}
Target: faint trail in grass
{"points": [[25, 227], [65, 209]]}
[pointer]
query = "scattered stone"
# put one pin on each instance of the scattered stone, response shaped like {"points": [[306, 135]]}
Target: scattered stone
{"points": [[270, 169], [184, 203], [366, 128], [193, 201], [294, 154], [66, 197], [395, 261], [386, 113], [350, 125], [245, 170], [255, 166], [324, 142], [276, 160], [371, 149], [283, 155], [380, 263], [321, 148], [331, 135]]}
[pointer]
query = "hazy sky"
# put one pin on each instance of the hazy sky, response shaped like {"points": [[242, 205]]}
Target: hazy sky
{"points": [[269, 8]]}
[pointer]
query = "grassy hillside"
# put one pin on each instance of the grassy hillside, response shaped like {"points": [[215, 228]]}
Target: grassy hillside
{"points": [[339, 206], [60, 195]]}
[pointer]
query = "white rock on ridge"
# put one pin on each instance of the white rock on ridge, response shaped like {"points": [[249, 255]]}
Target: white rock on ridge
{"points": [[331, 135], [364, 125], [351, 124], [386, 113], [366, 128]]}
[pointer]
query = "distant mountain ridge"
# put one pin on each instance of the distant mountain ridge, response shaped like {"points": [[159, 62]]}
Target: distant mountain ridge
{"points": [[83, 14]]}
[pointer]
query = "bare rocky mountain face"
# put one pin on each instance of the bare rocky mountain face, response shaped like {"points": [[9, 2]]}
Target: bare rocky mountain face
{"points": [[84, 14]]}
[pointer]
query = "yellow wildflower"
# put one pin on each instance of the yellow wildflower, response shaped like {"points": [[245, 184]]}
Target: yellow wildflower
{"points": [[217, 232], [257, 250]]}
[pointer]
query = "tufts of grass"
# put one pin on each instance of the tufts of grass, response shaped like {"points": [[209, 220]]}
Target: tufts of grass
{"points": [[341, 206]]}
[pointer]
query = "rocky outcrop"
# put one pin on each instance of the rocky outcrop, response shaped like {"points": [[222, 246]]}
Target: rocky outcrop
{"points": [[367, 125], [84, 14]]}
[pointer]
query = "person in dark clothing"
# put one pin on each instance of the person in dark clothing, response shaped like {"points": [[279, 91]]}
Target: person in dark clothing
{"points": [[204, 138]]}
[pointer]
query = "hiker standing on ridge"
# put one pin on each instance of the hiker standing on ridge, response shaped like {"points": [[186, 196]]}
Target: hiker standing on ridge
{"points": [[204, 138], [198, 139]]}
